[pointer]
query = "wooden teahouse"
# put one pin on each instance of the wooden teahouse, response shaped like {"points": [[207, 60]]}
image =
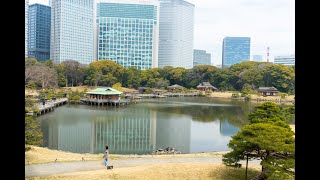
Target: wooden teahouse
{"points": [[268, 91], [206, 86], [102, 96]]}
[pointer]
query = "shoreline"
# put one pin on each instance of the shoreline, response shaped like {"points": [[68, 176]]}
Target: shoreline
{"points": [[254, 98], [43, 155]]}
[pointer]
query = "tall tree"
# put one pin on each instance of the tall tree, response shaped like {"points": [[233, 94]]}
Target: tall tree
{"points": [[132, 77], [273, 145], [42, 74], [267, 138], [72, 71], [279, 76], [105, 72]]}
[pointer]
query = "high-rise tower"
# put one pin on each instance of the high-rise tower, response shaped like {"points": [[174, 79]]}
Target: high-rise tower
{"points": [[72, 31], [176, 33], [128, 32]]}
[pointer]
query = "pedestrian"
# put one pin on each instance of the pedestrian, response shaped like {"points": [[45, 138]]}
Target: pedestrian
{"points": [[106, 156]]}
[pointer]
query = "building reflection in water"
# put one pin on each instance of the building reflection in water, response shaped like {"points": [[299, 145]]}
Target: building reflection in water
{"points": [[174, 131], [227, 129], [130, 130], [88, 131], [126, 134]]}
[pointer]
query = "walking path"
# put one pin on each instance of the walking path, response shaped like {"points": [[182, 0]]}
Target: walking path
{"points": [[68, 167]]}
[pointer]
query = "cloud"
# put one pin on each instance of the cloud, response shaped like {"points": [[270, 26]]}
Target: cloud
{"points": [[268, 23], [45, 2]]}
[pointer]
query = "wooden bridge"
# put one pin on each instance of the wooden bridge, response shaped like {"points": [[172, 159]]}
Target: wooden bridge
{"points": [[102, 102], [50, 105]]}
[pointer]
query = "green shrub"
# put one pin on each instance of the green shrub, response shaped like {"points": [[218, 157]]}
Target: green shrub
{"points": [[149, 90], [235, 95], [282, 95], [33, 134], [50, 96]]}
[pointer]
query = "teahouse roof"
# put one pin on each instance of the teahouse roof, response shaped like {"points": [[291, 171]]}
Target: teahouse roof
{"points": [[175, 86], [206, 85], [268, 89], [105, 91]]}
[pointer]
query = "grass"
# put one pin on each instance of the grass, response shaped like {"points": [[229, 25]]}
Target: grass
{"points": [[171, 171]]}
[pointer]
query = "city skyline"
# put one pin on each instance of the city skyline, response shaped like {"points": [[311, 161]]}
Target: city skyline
{"points": [[271, 26]]}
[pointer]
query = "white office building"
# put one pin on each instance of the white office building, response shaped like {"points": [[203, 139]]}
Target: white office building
{"points": [[176, 33], [72, 31], [285, 60]]}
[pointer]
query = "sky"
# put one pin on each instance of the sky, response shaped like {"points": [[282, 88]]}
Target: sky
{"points": [[269, 23]]}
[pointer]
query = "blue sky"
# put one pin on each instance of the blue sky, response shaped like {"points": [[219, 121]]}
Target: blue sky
{"points": [[268, 23]]}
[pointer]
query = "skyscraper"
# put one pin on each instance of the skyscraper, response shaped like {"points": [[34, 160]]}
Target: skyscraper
{"points": [[285, 60], [235, 50], [257, 58], [201, 57], [128, 32], [26, 7], [72, 31], [39, 32], [176, 33]]}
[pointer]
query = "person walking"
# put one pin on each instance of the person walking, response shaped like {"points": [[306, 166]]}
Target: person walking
{"points": [[106, 156]]}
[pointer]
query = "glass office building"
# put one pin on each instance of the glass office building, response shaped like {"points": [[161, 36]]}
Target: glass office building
{"points": [[176, 33], [201, 57], [39, 32], [72, 31], [128, 32], [235, 50], [285, 60], [26, 7]]}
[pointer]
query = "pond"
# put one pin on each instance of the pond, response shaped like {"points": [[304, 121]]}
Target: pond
{"points": [[188, 124]]}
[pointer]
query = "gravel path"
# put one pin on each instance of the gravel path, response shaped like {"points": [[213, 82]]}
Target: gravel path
{"points": [[68, 167]]}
